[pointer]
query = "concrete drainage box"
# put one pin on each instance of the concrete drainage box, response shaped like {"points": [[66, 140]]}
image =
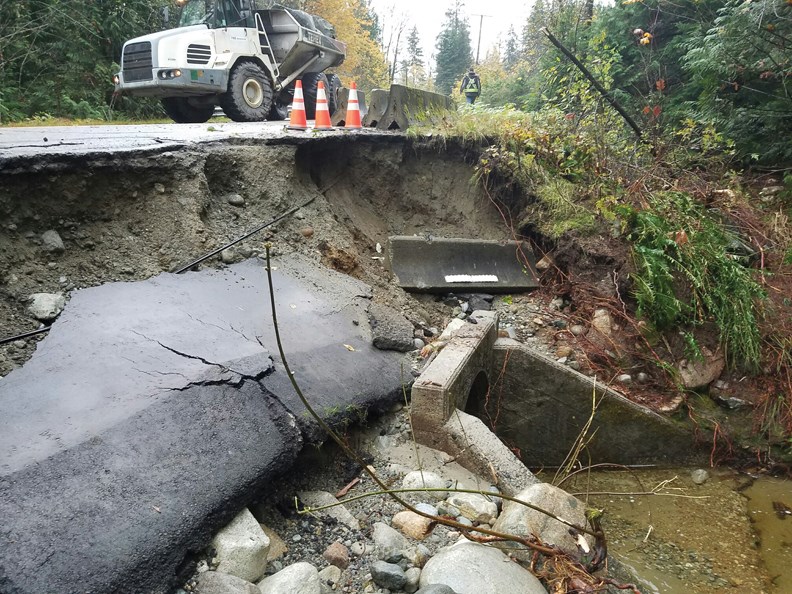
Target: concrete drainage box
{"points": [[461, 265]]}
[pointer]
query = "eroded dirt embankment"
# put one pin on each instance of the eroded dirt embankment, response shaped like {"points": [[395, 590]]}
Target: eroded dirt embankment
{"points": [[124, 219]]}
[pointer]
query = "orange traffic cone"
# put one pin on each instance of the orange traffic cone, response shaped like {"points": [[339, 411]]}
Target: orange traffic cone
{"points": [[322, 120], [353, 109], [297, 120]]}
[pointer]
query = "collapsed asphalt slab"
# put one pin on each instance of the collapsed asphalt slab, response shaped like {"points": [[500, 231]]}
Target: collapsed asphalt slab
{"points": [[153, 411]]}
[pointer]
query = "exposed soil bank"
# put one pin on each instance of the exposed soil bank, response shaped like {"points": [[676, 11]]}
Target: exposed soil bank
{"points": [[131, 218]]}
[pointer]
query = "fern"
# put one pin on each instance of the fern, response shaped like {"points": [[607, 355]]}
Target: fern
{"points": [[685, 275]]}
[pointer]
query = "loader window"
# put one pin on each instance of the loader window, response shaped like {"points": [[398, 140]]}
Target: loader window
{"points": [[198, 12]]}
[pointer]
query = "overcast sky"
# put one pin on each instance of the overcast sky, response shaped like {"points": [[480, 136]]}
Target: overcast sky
{"points": [[429, 16]]}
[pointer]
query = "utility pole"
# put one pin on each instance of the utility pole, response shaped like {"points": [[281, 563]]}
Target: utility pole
{"points": [[481, 24]]}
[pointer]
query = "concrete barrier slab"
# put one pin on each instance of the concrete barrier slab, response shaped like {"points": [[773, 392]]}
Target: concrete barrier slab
{"points": [[408, 106], [461, 265]]}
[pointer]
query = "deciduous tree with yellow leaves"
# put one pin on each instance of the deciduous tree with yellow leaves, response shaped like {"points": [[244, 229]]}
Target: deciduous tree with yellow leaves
{"points": [[365, 63]]}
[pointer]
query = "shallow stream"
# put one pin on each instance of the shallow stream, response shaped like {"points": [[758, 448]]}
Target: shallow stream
{"points": [[685, 538]]}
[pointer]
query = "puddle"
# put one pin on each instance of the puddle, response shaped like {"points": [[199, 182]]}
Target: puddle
{"points": [[774, 533], [685, 538]]}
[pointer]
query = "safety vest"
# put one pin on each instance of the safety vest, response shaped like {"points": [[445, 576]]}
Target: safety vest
{"points": [[472, 86]]}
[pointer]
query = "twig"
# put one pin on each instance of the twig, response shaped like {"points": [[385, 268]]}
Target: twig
{"points": [[602, 91]]}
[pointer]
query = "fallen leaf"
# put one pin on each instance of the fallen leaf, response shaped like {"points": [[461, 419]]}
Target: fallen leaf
{"points": [[349, 347], [156, 509]]}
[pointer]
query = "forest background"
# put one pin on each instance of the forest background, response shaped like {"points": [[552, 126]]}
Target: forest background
{"points": [[708, 67]]}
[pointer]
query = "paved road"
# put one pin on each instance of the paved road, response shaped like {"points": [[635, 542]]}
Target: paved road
{"points": [[77, 140], [153, 411]]}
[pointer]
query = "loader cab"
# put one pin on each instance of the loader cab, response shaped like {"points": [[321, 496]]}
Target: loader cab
{"points": [[216, 14]]}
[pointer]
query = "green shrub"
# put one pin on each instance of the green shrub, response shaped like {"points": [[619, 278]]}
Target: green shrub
{"points": [[686, 275]]}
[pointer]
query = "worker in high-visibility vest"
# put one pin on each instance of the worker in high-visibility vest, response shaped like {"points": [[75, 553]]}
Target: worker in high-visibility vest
{"points": [[471, 86]]}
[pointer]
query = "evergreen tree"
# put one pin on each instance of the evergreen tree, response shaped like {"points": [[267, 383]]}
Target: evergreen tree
{"points": [[454, 50], [415, 74], [533, 40], [511, 52]]}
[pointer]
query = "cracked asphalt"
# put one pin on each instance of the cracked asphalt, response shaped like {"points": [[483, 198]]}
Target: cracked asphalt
{"points": [[154, 410]]}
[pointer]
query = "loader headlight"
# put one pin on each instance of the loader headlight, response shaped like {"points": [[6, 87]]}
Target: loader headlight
{"points": [[168, 74]]}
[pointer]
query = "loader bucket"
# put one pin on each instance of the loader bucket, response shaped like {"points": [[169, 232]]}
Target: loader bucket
{"points": [[339, 117], [407, 106]]}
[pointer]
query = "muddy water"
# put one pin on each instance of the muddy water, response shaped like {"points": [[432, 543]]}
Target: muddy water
{"points": [[721, 536]]}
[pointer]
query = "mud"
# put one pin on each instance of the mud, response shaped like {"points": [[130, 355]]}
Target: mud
{"points": [[130, 219]]}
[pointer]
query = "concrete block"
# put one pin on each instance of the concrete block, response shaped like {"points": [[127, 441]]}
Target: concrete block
{"points": [[463, 265], [461, 366], [543, 406], [481, 451]]}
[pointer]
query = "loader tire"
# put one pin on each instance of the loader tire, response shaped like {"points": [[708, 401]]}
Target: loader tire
{"points": [[249, 95], [333, 85], [182, 111], [278, 112], [310, 83]]}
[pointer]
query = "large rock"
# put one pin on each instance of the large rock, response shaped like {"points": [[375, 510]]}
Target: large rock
{"points": [[51, 241], [45, 307], [697, 373], [300, 578], [215, 582], [242, 548], [390, 330], [520, 520], [472, 568]]}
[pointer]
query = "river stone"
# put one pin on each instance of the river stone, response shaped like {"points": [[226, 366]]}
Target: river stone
{"points": [[390, 330], [337, 554], [423, 479], [217, 582], [413, 576], [388, 575], [389, 542], [337, 511], [242, 547], [523, 521], [476, 508], [52, 242], [46, 307], [699, 476], [412, 525], [601, 328], [472, 568], [330, 579], [299, 578], [235, 200]]}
